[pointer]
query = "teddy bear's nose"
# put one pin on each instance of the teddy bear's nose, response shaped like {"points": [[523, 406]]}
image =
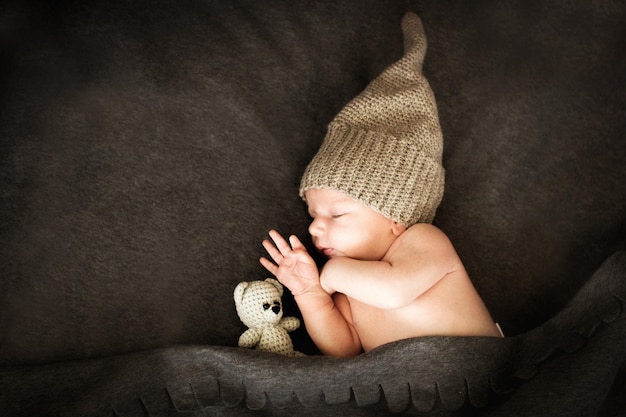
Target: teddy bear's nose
{"points": [[276, 307]]}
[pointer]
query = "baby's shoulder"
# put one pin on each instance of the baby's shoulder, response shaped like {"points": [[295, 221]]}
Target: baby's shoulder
{"points": [[421, 231], [423, 237]]}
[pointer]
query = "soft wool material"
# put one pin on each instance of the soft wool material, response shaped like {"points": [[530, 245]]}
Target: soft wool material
{"points": [[259, 306], [384, 148]]}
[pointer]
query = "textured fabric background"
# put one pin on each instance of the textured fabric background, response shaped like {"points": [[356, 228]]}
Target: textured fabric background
{"points": [[148, 146]]}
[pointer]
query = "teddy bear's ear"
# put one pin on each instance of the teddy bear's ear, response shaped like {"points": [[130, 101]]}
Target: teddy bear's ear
{"points": [[277, 284], [239, 289]]}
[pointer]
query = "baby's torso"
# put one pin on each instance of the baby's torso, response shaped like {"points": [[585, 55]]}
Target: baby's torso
{"points": [[451, 307], [377, 327]]}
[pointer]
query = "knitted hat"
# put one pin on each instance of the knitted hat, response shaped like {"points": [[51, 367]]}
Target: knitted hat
{"points": [[384, 147]]}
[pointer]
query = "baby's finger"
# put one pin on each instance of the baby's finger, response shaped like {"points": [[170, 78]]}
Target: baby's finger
{"points": [[269, 265], [272, 251], [295, 242], [280, 242]]}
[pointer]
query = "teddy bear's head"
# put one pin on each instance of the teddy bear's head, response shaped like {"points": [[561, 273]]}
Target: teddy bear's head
{"points": [[259, 303]]}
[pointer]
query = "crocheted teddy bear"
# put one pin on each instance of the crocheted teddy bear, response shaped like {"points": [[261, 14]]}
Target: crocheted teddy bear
{"points": [[260, 308]]}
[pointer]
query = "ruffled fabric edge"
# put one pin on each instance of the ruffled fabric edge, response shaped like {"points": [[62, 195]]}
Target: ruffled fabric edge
{"points": [[419, 373]]}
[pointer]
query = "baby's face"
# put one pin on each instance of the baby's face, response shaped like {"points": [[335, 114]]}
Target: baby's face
{"points": [[343, 226]]}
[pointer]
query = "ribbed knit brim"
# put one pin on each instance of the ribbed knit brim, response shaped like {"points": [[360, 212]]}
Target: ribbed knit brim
{"points": [[384, 148]]}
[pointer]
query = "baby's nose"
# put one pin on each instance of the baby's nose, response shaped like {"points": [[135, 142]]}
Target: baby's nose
{"points": [[316, 227]]}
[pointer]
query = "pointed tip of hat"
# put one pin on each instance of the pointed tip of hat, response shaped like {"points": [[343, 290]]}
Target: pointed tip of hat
{"points": [[414, 37], [384, 148]]}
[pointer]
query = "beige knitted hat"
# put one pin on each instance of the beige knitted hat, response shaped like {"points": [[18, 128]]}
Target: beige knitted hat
{"points": [[384, 147]]}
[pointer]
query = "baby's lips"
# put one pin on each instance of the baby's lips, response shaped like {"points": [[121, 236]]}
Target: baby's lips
{"points": [[325, 251]]}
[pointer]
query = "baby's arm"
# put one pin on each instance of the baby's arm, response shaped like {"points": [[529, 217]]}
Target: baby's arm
{"points": [[419, 259], [331, 332]]}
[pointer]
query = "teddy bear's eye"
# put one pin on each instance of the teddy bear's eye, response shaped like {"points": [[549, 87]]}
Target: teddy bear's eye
{"points": [[266, 306]]}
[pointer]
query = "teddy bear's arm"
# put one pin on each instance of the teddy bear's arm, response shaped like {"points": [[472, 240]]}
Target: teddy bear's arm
{"points": [[250, 338], [290, 323]]}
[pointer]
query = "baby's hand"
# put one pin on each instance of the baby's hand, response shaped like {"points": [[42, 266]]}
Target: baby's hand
{"points": [[294, 267]]}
